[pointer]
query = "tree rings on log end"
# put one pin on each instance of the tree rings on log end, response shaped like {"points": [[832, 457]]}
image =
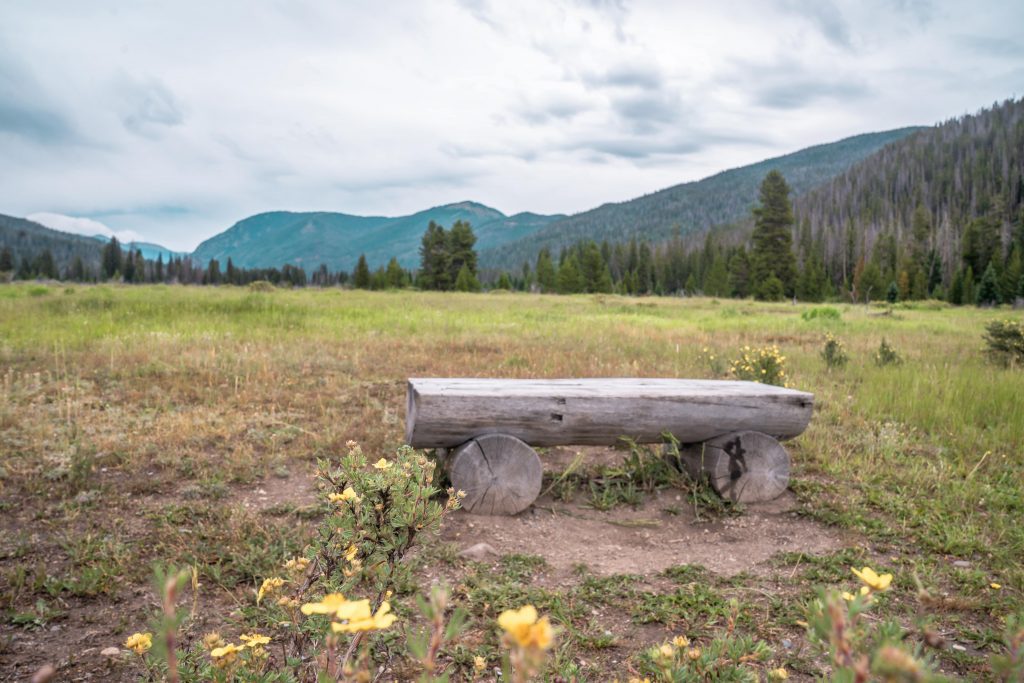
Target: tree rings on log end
{"points": [[500, 474], [744, 467]]}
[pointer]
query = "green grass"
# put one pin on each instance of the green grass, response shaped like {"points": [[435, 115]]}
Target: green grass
{"points": [[132, 420]]}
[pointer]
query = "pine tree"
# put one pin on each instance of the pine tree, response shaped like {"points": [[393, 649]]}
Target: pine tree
{"points": [[772, 289], [77, 272], [395, 275], [158, 269], [869, 285], [547, 278], [112, 260], [594, 270], [1011, 276], [230, 273], [128, 268], [570, 280], [504, 282], [956, 289], [970, 287], [772, 241], [435, 259], [361, 275], [892, 293], [460, 250], [45, 267], [212, 272], [465, 281], [6, 260], [739, 274], [716, 282], [988, 290]]}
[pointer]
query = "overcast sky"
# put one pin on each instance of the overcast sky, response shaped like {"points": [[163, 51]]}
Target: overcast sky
{"points": [[172, 120]]}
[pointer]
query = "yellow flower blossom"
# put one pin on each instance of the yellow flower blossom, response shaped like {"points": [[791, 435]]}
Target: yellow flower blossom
{"points": [[525, 629], [681, 641], [254, 639], [351, 552], [224, 656], [297, 564], [351, 445], [995, 586], [479, 663], [382, 464], [139, 643], [358, 618], [779, 674], [693, 653], [330, 603], [667, 650], [850, 597], [460, 493], [212, 640], [872, 580], [268, 587]]}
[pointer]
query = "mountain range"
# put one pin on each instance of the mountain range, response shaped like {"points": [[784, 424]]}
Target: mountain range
{"points": [[848, 193]]}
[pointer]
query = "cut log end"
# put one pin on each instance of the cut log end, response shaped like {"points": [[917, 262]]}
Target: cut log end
{"points": [[744, 467], [500, 474]]}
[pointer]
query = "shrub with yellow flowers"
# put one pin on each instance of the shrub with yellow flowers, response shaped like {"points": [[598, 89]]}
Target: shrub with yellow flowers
{"points": [[766, 365], [729, 656], [860, 649], [319, 614]]}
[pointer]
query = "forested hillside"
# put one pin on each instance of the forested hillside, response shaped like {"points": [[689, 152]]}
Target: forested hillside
{"points": [[337, 240], [691, 207], [37, 250], [945, 202]]}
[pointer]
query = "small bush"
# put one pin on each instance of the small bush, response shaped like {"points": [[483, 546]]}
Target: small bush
{"points": [[834, 353], [261, 286], [766, 365], [714, 362], [1004, 340], [823, 312], [38, 290], [886, 355]]}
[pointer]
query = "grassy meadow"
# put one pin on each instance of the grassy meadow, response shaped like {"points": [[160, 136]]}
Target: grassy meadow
{"points": [[182, 425]]}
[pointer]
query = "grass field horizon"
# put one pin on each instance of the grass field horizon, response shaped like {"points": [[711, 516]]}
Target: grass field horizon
{"points": [[136, 421]]}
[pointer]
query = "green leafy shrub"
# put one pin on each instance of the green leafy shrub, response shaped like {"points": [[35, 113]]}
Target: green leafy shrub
{"points": [[834, 353], [1004, 342], [822, 312], [886, 355]]}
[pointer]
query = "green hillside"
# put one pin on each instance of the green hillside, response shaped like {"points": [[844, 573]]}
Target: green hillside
{"points": [[337, 239], [692, 207], [27, 240]]}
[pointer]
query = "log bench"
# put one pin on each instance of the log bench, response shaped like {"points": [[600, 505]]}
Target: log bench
{"points": [[729, 430]]}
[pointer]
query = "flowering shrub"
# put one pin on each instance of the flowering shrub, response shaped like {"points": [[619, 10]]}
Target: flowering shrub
{"points": [[375, 515], [765, 365], [886, 355], [527, 638], [834, 353], [714, 362]]}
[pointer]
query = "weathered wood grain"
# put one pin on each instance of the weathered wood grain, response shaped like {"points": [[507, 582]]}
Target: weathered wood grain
{"points": [[500, 474], [443, 413], [744, 467]]}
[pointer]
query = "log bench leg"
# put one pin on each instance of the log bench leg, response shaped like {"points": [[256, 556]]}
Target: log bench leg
{"points": [[744, 467], [500, 474]]}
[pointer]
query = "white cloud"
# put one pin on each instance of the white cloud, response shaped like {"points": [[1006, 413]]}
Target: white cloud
{"points": [[174, 120], [82, 226]]}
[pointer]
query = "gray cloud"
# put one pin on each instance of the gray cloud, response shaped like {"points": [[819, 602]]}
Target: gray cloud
{"points": [[626, 75], [827, 17], [798, 94], [27, 111], [149, 106]]}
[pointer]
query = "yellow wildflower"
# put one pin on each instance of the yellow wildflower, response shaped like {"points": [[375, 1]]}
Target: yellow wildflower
{"points": [[268, 587], [479, 663], [525, 629], [212, 640], [351, 445], [224, 656], [290, 603], [382, 464], [139, 643], [359, 619], [681, 641], [351, 552], [779, 674], [639, 680], [693, 653], [330, 603], [872, 580], [850, 597], [254, 639], [995, 586], [297, 564], [460, 493], [667, 650]]}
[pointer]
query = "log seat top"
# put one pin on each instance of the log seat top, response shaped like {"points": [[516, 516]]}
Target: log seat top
{"points": [[446, 412]]}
